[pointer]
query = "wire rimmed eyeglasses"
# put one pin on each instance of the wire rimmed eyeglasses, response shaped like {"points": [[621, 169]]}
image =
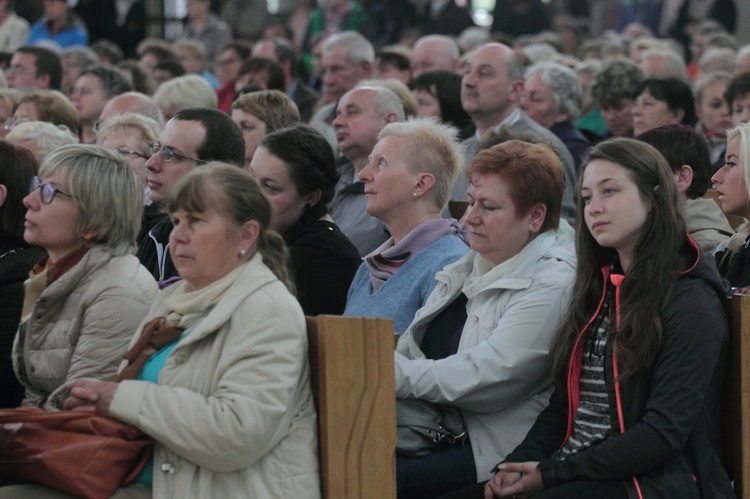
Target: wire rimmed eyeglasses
{"points": [[47, 191], [168, 154], [124, 151]]}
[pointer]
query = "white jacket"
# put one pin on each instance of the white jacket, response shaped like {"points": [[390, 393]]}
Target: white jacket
{"points": [[500, 377], [233, 413]]}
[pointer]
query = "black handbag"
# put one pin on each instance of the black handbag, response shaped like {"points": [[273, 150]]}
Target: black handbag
{"points": [[423, 427]]}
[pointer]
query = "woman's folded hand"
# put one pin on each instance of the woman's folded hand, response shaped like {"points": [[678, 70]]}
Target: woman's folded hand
{"points": [[89, 395]]}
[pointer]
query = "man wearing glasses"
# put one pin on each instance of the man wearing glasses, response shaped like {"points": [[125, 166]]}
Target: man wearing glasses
{"points": [[193, 137], [34, 68]]}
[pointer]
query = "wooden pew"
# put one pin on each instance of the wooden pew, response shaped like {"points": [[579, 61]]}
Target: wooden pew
{"points": [[353, 379], [739, 384]]}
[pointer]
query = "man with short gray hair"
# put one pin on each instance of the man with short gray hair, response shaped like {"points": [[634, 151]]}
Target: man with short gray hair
{"points": [[434, 52], [360, 115], [347, 59], [491, 91]]}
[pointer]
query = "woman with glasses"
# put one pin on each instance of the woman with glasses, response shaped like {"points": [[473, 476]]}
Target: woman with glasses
{"points": [[83, 301], [131, 135]]}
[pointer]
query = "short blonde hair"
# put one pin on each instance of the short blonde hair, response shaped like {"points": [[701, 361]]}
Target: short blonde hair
{"points": [[430, 147], [96, 177], [186, 91], [275, 109], [147, 129]]}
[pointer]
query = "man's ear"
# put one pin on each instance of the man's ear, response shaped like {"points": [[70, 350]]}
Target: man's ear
{"points": [[366, 68], [515, 90], [43, 81]]}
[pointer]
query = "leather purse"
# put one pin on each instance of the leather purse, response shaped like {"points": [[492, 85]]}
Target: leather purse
{"points": [[422, 427], [79, 453]]}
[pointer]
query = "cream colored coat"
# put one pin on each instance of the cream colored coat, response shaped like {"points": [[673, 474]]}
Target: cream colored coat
{"points": [[81, 324], [500, 376], [233, 413]]}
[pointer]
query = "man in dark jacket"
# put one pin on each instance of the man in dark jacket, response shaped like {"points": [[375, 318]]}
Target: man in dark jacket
{"points": [[193, 137]]}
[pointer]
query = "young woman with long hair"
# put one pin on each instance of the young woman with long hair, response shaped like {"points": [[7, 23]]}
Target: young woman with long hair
{"points": [[638, 356]]}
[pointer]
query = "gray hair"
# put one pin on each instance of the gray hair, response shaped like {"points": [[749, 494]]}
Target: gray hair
{"points": [[717, 59], [566, 89], [448, 44], [358, 48], [742, 52], [673, 65], [385, 102], [186, 91], [430, 147], [48, 137], [80, 56], [96, 177]]}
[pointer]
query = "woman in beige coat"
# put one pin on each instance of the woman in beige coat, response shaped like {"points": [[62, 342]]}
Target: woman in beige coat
{"points": [[229, 401], [83, 301]]}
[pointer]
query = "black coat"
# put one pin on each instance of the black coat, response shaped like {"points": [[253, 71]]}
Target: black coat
{"points": [[669, 444], [15, 264]]}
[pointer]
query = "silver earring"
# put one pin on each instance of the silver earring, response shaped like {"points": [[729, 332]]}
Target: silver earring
{"points": [[242, 253], [414, 194]]}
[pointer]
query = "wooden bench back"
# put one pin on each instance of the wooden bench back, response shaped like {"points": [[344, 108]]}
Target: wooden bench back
{"points": [[353, 380], [738, 408]]}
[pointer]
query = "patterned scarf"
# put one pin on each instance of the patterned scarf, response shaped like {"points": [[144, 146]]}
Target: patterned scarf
{"points": [[389, 257]]}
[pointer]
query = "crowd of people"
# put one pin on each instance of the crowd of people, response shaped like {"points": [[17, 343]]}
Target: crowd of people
{"points": [[552, 219]]}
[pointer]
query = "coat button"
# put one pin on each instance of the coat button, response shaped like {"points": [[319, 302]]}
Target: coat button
{"points": [[167, 468], [180, 357]]}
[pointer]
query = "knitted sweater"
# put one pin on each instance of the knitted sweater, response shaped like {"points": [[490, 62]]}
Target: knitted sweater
{"points": [[406, 291]]}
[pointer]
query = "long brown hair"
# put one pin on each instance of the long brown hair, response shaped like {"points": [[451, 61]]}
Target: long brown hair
{"points": [[656, 264]]}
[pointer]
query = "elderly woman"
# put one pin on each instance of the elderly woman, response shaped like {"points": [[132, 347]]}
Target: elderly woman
{"points": [[438, 94], [491, 318], [552, 97], [84, 299], [17, 258], [131, 135], [297, 170], [662, 101], [91, 92], [407, 184], [260, 113], [41, 137], [733, 186], [228, 400], [182, 92], [44, 105]]}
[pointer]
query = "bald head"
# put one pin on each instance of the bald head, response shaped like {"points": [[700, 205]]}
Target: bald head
{"points": [[492, 85], [132, 102], [434, 52]]}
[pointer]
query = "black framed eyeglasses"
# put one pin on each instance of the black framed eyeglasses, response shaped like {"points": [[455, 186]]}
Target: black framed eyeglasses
{"points": [[129, 152], [47, 191], [168, 154]]}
